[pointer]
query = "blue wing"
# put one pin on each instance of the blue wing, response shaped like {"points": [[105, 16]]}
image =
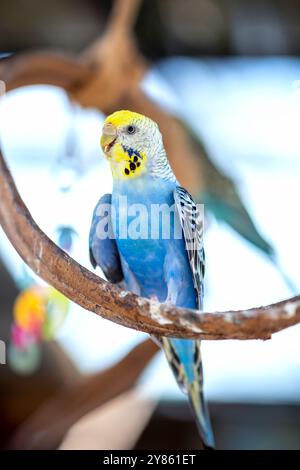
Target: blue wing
{"points": [[184, 356], [191, 221], [103, 248]]}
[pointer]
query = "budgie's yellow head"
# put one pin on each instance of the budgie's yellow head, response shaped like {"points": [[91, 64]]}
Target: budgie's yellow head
{"points": [[132, 143]]}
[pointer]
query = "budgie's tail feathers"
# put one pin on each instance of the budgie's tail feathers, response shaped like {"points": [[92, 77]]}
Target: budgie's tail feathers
{"points": [[194, 389], [200, 411]]}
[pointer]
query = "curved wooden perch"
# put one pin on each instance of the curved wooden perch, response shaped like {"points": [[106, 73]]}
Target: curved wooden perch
{"points": [[122, 307]]}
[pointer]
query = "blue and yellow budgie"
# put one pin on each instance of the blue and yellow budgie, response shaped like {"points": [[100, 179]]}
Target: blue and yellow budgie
{"points": [[137, 251]]}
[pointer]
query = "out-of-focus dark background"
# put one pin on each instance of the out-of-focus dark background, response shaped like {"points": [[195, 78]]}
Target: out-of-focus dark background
{"points": [[164, 28], [231, 68]]}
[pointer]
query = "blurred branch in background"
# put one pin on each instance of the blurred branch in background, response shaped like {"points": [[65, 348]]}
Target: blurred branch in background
{"points": [[116, 426], [46, 428]]}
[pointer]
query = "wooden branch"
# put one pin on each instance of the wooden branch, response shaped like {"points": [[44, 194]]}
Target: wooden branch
{"points": [[122, 307], [115, 59], [46, 428], [123, 15], [116, 425], [45, 67]]}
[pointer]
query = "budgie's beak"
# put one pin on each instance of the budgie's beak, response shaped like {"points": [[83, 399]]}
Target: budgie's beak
{"points": [[108, 138]]}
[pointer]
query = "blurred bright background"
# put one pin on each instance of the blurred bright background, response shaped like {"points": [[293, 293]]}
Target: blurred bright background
{"points": [[228, 70]]}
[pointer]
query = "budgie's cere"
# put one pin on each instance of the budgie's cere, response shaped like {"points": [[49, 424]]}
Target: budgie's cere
{"points": [[166, 268]]}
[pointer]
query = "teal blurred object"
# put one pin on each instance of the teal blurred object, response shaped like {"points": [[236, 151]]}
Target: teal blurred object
{"points": [[222, 199], [66, 235], [24, 361]]}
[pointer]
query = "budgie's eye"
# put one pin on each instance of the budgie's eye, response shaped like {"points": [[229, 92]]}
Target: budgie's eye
{"points": [[131, 129]]}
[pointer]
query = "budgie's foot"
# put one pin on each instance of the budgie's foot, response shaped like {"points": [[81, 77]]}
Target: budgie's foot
{"points": [[154, 298], [168, 302]]}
